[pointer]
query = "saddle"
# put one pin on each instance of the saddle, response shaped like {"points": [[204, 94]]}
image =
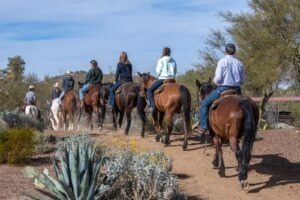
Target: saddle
{"points": [[119, 90], [224, 95], [162, 87]]}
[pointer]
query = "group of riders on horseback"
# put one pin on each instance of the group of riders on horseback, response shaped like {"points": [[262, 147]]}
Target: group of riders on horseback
{"points": [[223, 116]]}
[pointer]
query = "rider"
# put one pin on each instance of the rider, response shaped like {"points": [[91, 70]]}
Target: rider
{"points": [[30, 98], [55, 93], [229, 75], [68, 84], [123, 75], [166, 69], [94, 76]]}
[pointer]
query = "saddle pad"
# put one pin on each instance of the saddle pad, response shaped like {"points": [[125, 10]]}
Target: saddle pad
{"points": [[228, 93], [119, 90]]}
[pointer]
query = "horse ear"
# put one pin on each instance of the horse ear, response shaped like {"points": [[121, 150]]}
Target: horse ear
{"points": [[139, 73], [198, 83], [148, 73], [209, 80]]}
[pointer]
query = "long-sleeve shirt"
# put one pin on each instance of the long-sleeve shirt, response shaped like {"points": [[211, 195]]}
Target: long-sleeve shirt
{"points": [[55, 94], [68, 83], [30, 98], [94, 76], [124, 72], [229, 72], [166, 68]]}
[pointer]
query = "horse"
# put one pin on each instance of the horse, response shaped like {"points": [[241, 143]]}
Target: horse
{"points": [[230, 118], [32, 111], [91, 104], [69, 108], [174, 98], [55, 114], [104, 95], [126, 99]]}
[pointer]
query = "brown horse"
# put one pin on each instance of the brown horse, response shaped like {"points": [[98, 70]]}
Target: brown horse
{"points": [[233, 117], [91, 104], [173, 99], [126, 99], [69, 108]]}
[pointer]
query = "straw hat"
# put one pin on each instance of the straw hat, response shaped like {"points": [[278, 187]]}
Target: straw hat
{"points": [[56, 85], [69, 73], [31, 87]]}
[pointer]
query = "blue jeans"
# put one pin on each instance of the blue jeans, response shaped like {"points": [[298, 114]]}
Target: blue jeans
{"points": [[112, 90], [61, 96], [208, 101], [151, 89], [83, 90]]}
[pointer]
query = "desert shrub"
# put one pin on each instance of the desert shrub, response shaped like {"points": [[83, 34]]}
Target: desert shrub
{"points": [[144, 176], [17, 145], [80, 168], [15, 119]]}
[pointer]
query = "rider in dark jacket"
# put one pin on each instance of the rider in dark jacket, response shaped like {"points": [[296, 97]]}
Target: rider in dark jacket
{"points": [[94, 76], [123, 75], [68, 84]]}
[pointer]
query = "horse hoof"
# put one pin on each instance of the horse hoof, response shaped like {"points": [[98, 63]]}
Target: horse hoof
{"points": [[221, 173], [157, 138], [184, 148], [215, 164], [245, 185], [126, 133]]}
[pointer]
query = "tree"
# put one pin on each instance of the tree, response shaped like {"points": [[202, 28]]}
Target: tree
{"points": [[15, 68]]}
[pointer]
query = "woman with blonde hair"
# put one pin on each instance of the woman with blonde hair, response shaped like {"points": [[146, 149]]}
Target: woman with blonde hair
{"points": [[123, 75]]}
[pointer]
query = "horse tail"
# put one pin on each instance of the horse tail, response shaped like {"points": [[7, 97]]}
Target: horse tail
{"points": [[249, 129], [186, 104]]}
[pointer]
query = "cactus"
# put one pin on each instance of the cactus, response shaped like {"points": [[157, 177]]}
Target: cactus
{"points": [[77, 172]]}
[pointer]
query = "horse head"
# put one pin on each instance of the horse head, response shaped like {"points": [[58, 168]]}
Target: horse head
{"points": [[145, 80], [80, 84], [204, 89]]}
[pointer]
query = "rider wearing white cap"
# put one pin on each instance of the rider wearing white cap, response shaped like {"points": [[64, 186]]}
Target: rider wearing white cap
{"points": [[30, 98], [68, 84]]}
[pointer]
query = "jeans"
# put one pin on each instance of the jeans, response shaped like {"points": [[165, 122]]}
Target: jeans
{"points": [[151, 89], [208, 101], [61, 96], [83, 90], [112, 90]]}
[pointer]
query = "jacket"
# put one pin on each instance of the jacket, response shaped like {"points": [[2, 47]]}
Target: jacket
{"points": [[166, 68], [94, 76], [124, 72], [55, 94], [68, 83]]}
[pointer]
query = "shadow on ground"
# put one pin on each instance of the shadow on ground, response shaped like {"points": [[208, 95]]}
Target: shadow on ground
{"points": [[281, 170]]}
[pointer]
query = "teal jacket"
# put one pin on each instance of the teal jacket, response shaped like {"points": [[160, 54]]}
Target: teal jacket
{"points": [[94, 76]]}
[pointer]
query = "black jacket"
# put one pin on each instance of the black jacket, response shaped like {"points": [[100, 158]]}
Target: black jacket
{"points": [[68, 83], [124, 72], [55, 94]]}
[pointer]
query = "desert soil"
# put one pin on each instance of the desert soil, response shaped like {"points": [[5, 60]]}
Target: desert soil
{"points": [[274, 171]]}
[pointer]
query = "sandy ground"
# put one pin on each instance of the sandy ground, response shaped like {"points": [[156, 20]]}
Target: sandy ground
{"points": [[274, 169]]}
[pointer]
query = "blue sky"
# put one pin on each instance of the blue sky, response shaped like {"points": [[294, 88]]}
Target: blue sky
{"points": [[56, 35]]}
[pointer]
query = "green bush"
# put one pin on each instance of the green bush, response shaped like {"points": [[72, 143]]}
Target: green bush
{"points": [[17, 145]]}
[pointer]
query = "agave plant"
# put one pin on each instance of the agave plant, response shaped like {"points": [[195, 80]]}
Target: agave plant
{"points": [[77, 166]]}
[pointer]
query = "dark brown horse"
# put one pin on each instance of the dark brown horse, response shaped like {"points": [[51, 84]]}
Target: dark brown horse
{"points": [[69, 108], [91, 104], [173, 99], [234, 116], [126, 99]]}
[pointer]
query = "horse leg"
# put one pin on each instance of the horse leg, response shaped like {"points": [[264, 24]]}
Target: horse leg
{"points": [[115, 115], [215, 161], [186, 128], [160, 121], [102, 116], [221, 166], [64, 120], [120, 120], [169, 120], [128, 116], [96, 111], [239, 156], [156, 126]]}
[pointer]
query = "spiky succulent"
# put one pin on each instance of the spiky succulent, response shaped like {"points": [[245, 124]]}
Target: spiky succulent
{"points": [[77, 166]]}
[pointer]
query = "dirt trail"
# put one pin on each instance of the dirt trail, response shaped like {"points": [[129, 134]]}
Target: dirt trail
{"points": [[274, 170]]}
